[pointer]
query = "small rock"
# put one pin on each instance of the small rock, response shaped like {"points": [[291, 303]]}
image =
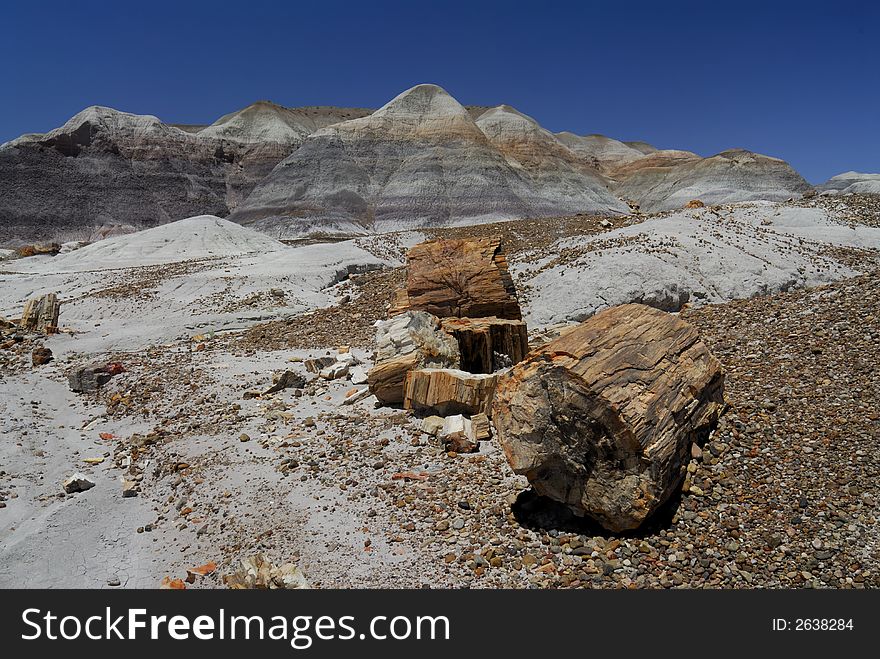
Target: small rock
{"points": [[41, 356], [77, 483]]}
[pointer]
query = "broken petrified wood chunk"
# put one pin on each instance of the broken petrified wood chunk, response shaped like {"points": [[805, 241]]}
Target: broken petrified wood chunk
{"points": [[459, 277], [481, 429], [317, 364], [603, 418], [446, 391], [408, 341], [41, 314], [484, 342]]}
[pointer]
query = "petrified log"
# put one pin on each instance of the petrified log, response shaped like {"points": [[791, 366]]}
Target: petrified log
{"points": [[41, 314], [447, 391], [488, 344], [406, 342], [459, 278], [603, 418]]}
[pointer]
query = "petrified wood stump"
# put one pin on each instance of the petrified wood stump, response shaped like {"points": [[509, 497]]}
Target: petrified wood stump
{"points": [[486, 342], [603, 418], [41, 314], [459, 277]]}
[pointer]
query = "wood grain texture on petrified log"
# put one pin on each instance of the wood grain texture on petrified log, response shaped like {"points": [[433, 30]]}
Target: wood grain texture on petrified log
{"points": [[602, 419], [446, 391], [480, 338], [461, 277], [387, 379], [41, 313], [399, 302]]}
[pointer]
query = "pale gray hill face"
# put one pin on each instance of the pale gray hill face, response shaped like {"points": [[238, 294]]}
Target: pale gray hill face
{"points": [[728, 177], [604, 153], [852, 183], [418, 161]]}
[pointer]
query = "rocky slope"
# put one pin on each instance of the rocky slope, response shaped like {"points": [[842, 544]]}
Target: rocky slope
{"points": [[420, 160]]}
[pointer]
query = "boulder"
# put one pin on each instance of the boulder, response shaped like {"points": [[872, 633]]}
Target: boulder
{"points": [[488, 344], [602, 419], [408, 341], [446, 391], [460, 277], [41, 314], [88, 378]]}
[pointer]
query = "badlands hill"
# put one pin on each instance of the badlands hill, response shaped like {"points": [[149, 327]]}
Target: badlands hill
{"points": [[421, 160], [852, 183], [669, 180], [107, 171]]}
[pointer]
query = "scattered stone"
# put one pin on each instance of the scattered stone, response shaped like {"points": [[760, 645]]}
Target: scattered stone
{"points": [[356, 395], [77, 483], [334, 371], [287, 380], [457, 434], [89, 378], [41, 356], [358, 375], [482, 431], [129, 489], [258, 572], [317, 364], [432, 425]]}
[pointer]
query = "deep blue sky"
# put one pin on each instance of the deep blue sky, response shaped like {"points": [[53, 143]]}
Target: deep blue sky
{"points": [[799, 81]]}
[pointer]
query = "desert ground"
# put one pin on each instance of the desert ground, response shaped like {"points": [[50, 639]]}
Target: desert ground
{"points": [[203, 315]]}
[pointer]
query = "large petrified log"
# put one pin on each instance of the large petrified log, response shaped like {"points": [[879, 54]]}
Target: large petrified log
{"points": [[41, 314], [447, 391], [459, 277], [488, 344], [406, 342], [603, 418]]}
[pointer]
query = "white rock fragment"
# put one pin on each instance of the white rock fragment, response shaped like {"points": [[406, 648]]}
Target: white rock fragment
{"points": [[77, 483]]}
